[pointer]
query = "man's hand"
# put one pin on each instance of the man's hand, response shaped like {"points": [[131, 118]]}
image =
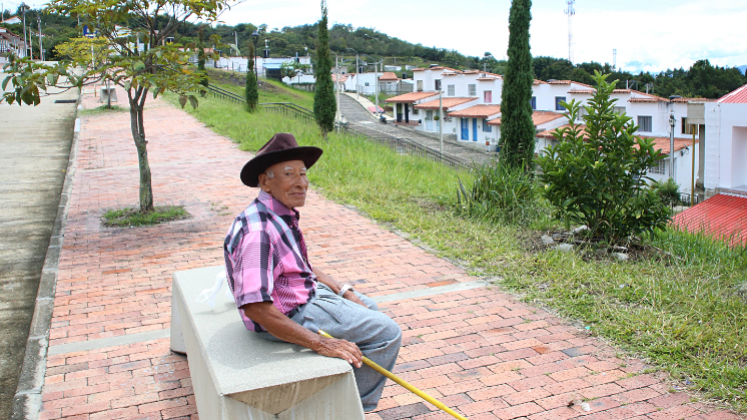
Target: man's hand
{"points": [[351, 296], [333, 347], [279, 325]]}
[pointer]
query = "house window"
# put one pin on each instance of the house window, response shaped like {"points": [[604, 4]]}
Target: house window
{"points": [[687, 128], [420, 85], [414, 111], [619, 110], [645, 124], [438, 84], [659, 168], [485, 127], [450, 90], [558, 101], [534, 102], [488, 96], [472, 90], [366, 84]]}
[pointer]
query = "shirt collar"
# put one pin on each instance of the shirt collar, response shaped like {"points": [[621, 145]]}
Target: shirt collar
{"points": [[277, 207]]}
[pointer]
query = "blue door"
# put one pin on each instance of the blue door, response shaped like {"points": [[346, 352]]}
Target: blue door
{"points": [[474, 129], [465, 129]]}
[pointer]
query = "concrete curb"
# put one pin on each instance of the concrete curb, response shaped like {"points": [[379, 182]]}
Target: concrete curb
{"points": [[27, 400]]}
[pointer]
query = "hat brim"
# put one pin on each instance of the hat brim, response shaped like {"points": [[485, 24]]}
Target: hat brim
{"points": [[251, 170]]}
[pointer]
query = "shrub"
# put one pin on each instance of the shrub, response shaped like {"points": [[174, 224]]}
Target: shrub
{"points": [[500, 192], [668, 191], [597, 175]]}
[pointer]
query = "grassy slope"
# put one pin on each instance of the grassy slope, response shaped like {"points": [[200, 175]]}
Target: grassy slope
{"points": [[686, 314]]}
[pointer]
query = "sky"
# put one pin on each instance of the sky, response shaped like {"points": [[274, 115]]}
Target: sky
{"points": [[649, 35]]}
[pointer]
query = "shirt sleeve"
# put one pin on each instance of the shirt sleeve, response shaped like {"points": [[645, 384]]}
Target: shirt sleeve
{"points": [[253, 263]]}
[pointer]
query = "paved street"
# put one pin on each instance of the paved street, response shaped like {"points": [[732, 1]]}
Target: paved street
{"points": [[361, 120], [34, 148], [478, 350]]}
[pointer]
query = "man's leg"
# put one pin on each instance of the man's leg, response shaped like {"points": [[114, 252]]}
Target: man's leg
{"points": [[374, 333]]}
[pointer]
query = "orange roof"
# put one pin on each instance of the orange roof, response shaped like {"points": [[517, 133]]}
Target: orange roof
{"points": [[738, 96], [721, 216], [662, 143], [434, 68], [343, 77], [539, 82], [477, 111], [538, 117], [568, 82], [410, 97], [446, 103], [583, 91], [388, 75]]}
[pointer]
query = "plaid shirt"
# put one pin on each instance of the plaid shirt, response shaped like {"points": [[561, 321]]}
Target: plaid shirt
{"points": [[266, 259]]}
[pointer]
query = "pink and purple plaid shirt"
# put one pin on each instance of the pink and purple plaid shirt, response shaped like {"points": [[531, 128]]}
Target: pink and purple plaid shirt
{"points": [[266, 259]]}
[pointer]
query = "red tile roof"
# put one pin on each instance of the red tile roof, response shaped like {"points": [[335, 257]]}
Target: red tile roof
{"points": [[389, 75], [446, 102], [538, 118], [343, 77], [738, 96], [477, 111], [660, 143], [583, 91], [434, 68], [721, 216], [410, 97], [568, 82]]}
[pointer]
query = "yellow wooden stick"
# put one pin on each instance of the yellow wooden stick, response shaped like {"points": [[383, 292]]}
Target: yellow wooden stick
{"points": [[404, 383]]}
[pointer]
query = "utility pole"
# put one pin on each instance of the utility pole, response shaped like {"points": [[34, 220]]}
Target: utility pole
{"points": [[41, 51], [672, 122], [236, 38], [440, 121], [376, 86], [25, 42], [337, 88]]}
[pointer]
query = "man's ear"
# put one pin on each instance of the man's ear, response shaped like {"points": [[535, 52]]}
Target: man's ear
{"points": [[263, 184]]}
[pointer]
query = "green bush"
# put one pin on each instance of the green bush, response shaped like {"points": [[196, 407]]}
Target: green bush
{"points": [[668, 191], [597, 175], [502, 193]]}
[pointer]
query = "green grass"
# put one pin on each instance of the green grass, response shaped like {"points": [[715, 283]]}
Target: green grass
{"points": [[99, 110], [687, 314], [131, 217], [273, 91]]}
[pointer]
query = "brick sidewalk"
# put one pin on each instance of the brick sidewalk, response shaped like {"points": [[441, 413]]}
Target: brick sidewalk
{"points": [[479, 351]]}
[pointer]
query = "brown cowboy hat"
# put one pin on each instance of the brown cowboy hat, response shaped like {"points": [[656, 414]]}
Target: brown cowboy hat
{"points": [[282, 147]]}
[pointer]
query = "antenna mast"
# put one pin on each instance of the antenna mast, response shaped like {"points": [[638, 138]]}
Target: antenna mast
{"points": [[614, 59], [570, 11]]}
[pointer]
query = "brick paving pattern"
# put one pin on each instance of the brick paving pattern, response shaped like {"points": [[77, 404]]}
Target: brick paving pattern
{"points": [[478, 351]]}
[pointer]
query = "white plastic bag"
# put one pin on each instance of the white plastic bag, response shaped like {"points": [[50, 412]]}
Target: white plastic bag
{"points": [[208, 295]]}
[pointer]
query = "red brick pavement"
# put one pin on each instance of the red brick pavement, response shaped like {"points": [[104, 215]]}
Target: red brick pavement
{"points": [[479, 351]]}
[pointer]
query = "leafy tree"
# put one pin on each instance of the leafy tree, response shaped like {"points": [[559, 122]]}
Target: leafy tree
{"points": [[252, 94], [292, 69], [157, 68], [596, 175], [325, 106], [517, 128]]}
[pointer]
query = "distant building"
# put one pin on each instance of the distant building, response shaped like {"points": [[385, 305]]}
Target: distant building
{"points": [[10, 42]]}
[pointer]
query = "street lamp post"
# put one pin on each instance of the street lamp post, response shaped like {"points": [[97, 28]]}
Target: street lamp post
{"points": [[41, 51], [376, 81], [255, 38], [357, 72], [672, 122]]}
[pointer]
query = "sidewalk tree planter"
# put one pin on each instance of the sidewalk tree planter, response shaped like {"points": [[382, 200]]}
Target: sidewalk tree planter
{"points": [[143, 58]]}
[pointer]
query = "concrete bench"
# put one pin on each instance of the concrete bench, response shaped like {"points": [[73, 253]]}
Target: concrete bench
{"points": [[238, 375]]}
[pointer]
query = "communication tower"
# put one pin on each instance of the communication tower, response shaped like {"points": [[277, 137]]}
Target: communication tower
{"points": [[570, 11]]}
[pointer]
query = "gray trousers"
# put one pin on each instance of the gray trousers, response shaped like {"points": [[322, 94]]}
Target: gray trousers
{"points": [[377, 336]]}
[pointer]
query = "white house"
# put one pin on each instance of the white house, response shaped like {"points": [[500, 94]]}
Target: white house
{"points": [[725, 143], [365, 83], [10, 42]]}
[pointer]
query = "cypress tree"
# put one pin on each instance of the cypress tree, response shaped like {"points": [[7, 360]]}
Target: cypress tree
{"points": [[201, 63], [325, 106], [252, 94], [517, 128]]}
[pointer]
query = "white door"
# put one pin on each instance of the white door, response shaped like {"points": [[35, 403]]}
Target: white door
{"points": [[429, 120]]}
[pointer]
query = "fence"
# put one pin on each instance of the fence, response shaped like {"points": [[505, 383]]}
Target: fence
{"points": [[400, 145]]}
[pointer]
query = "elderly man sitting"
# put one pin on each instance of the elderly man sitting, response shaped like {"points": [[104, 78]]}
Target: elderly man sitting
{"points": [[278, 292]]}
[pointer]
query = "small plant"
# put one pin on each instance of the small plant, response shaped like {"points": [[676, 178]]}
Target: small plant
{"points": [[502, 193], [668, 191], [131, 217], [596, 175]]}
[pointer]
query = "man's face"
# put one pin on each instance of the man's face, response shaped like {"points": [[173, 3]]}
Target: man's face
{"points": [[287, 182]]}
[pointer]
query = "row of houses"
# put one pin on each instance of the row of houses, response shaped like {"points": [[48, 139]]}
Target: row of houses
{"points": [[10, 42], [472, 114]]}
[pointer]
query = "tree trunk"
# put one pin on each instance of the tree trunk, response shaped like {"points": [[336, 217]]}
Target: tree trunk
{"points": [[137, 128]]}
